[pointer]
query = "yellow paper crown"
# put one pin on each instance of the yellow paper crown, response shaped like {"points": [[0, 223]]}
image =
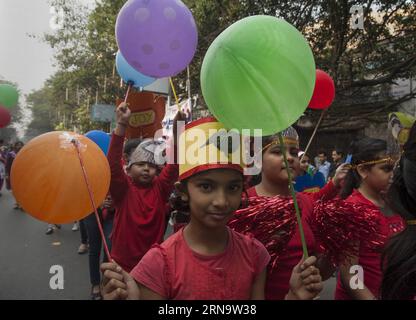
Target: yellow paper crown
{"points": [[206, 144]]}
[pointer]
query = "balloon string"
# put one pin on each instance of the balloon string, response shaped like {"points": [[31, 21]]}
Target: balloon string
{"points": [[295, 202], [174, 92], [107, 252], [314, 133], [128, 92]]}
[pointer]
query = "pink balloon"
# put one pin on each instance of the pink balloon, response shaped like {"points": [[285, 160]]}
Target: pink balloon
{"points": [[5, 117]]}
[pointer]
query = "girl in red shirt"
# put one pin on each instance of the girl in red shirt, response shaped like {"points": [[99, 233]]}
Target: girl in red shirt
{"points": [[275, 181], [206, 259], [367, 184]]}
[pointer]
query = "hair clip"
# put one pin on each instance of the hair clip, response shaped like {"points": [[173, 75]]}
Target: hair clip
{"points": [[277, 142], [388, 160], [411, 222]]}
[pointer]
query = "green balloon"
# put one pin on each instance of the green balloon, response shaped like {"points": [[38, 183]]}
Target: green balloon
{"points": [[8, 96], [258, 74]]}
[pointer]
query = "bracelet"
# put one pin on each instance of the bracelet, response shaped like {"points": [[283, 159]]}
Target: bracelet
{"points": [[122, 124]]}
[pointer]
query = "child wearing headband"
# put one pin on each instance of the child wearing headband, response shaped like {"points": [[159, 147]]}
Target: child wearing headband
{"points": [[274, 181], [367, 184]]}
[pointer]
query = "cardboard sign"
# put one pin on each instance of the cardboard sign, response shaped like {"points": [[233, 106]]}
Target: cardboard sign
{"points": [[103, 113], [147, 111], [142, 119]]}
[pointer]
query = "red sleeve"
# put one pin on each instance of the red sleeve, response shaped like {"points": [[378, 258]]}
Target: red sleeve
{"points": [[119, 182], [151, 272], [167, 179], [262, 257], [328, 192]]}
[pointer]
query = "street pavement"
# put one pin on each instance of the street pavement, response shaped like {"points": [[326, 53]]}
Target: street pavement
{"points": [[27, 255]]}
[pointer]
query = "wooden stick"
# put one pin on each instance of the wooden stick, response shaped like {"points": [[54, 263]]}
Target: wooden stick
{"points": [[295, 202], [314, 133]]}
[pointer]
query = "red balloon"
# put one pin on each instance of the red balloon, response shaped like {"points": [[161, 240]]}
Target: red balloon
{"points": [[324, 92], [5, 117]]}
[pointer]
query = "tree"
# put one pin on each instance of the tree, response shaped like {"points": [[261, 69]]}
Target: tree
{"points": [[363, 63], [41, 123], [85, 55]]}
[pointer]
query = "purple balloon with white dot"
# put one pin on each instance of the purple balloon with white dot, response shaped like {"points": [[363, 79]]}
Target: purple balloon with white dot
{"points": [[158, 38]]}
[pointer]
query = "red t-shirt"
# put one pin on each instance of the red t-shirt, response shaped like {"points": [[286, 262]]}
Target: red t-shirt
{"points": [[277, 284], [174, 271], [140, 217], [368, 259]]}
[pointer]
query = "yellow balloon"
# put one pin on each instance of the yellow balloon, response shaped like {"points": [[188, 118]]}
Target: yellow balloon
{"points": [[47, 178]]}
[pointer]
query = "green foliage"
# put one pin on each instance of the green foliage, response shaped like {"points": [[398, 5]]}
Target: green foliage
{"points": [[363, 63]]}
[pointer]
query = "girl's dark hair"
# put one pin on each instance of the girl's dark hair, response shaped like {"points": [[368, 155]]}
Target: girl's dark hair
{"points": [[399, 256], [265, 140], [180, 209], [363, 150], [254, 180]]}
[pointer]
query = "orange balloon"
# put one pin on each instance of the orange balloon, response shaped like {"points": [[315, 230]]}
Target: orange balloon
{"points": [[47, 178]]}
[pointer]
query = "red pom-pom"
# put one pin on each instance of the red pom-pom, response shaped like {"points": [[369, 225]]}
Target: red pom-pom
{"points": [[271, 220], [338, 225]]}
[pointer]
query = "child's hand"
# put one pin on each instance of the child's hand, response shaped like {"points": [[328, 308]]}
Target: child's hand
{"points": [[118, 284], [305, 282], [108, 203], [341, 174], [123, 114]]}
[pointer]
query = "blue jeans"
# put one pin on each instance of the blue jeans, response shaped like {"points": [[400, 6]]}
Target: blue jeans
{"points": [[95, 243]]}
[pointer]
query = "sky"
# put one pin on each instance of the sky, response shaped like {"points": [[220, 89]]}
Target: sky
{"points": [[24, 60]]}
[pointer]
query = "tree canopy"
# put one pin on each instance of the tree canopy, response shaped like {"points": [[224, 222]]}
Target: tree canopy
{"points": [[364, 63]]}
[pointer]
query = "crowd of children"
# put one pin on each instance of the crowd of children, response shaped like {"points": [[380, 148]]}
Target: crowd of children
{"points": [[209, 258], [210, 255]]}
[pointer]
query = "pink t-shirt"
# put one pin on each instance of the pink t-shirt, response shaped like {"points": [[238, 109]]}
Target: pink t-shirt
{"points": [[174, 271]]}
